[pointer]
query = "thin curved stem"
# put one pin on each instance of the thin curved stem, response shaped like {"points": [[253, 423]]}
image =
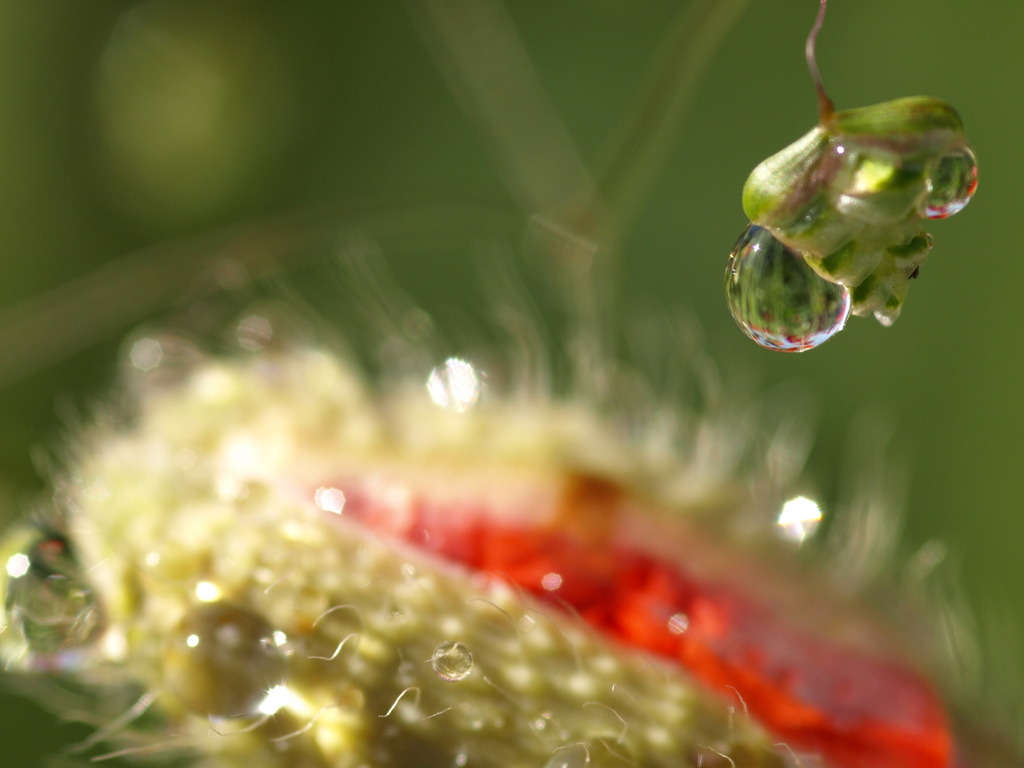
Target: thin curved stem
{"points": [[637, 150], [69, 318], [580, 218], [826, 109]]}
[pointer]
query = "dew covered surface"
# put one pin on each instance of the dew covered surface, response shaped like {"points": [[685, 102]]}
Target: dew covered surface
{"points": [[298, 571], [244, 602], [670, 591]]}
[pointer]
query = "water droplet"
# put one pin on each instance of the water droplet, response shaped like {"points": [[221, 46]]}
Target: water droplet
{"points": [[678, 623], [541, 722], [146, 354], [266, 326], [452, 661], [551, 581], [222, 660], [570, 756], [953, 180], [329, 499], [777, 299], [254, 332], [455, 385], [53, 608], [798, 519]]}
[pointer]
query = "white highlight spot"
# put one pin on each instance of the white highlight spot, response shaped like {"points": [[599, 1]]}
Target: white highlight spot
{"points": [[277, 698], [114, 645], [455, 385], [207, 592], [799, 519], [551, 581], [329, 500], [18, 565], [242, 455], [192, 641]]}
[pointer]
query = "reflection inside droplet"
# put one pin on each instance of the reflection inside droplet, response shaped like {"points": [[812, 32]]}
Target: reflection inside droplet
{"points": [[454, 385], [452, 661], [277, 698], [777, 299], [952, 182]]}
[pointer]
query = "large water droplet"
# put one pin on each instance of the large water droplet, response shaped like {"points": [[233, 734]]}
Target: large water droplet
{"points": [[222, 660], [53, 607], [777, 299], [452, 661], [952, 182]]}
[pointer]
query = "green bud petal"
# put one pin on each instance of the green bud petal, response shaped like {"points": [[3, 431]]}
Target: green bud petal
{"points": [[920, 120]]}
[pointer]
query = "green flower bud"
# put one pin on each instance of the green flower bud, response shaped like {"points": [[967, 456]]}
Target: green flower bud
{"points": [[850, 195]]}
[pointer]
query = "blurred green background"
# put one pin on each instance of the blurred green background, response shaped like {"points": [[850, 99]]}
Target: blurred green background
{"points": [[127, 124]]}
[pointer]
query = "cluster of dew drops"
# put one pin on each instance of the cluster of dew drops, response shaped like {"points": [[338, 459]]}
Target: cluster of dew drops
{"points": [[817, 309]]}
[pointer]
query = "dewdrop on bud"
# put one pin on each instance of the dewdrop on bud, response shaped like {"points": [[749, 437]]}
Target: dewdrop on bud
{"points": [[452, 661], [951, 183], [777, 299], [49, 610]]}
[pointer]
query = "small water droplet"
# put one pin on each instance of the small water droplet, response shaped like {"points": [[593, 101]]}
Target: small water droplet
{"points": [[569, 756], [161, 358], [678, 623], [254, 332], [541, 722], [799, 518], [222, 660], [456, 385], [952, 182], [452, 661], [777, 299]]}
